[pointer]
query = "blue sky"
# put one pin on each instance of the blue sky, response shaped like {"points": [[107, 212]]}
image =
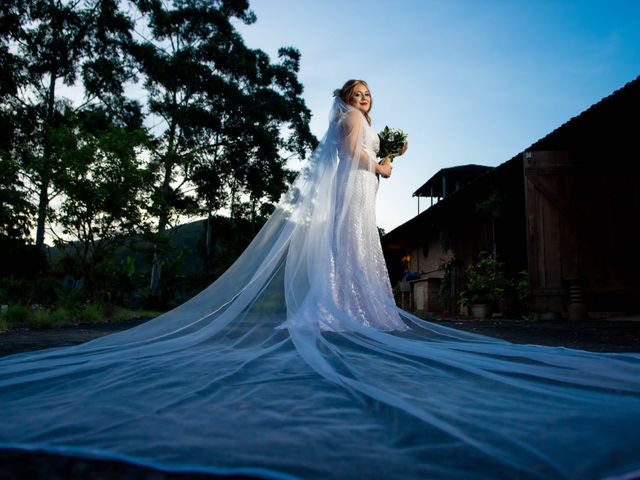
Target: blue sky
{"points": [[470, 81]]}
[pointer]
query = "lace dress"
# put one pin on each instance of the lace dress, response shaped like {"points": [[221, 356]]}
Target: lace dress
{"points": [[361, 284]]}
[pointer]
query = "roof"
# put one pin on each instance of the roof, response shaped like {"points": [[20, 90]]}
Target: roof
{"points": [[602, 125], [448, 180], [455, 202], [608, 125]]}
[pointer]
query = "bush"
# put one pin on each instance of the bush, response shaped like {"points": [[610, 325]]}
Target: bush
{"points": [[17, 316], [14, 290], [487, 283], [522, 287], [3, 323], [41, 319], [20, 259], [61, 316], [91, 313], [42, 290]]}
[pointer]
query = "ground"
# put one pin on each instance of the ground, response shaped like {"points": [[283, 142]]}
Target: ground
{"points": [[597, 335]]}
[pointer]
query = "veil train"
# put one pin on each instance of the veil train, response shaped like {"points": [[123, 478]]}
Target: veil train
{"points": [[277, 371]]}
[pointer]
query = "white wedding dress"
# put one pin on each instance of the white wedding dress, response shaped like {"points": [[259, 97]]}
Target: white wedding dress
{"points": [[357, 280], [297, 364]]}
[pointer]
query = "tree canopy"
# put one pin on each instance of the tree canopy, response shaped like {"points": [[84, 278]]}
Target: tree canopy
{"points": [[130, 117]]}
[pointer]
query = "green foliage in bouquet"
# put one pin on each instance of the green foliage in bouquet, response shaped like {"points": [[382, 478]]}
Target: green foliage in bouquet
{"points": [[392, 141]]}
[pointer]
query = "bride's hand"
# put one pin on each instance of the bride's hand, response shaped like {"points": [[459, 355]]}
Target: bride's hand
{"points": [[384, 169]]}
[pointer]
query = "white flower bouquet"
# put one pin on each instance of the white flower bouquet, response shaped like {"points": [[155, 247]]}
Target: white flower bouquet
{"points": [[392, 144]]}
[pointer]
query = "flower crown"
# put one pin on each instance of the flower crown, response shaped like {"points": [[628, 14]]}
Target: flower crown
{"points": [[337, 92]]}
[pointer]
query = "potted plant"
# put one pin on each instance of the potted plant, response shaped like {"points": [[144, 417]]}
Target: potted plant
{"points": [[486, 286]]}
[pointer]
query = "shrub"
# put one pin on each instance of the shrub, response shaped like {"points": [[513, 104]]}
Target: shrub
{"points": [[61, 316], [15, 290], [522, 286], [41, 319], [487, 283], [17, 316], [91, 313]]}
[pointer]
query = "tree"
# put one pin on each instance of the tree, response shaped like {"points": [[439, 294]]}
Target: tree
{"points": [[227, 117], [15, 209], [103, 191], [53, 43]]}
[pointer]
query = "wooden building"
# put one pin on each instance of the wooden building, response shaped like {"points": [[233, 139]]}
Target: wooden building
{"points": [[565, 209]]}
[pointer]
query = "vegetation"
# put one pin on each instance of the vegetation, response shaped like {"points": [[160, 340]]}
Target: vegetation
{"points": [[445, 294], [487, 283], [109, 175], [522, 288], [37, 316]]}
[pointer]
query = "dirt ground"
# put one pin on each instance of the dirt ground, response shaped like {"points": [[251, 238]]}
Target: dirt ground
{"points": [[596, 335]]}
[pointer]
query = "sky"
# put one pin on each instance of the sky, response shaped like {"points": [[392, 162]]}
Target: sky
{"points": [[470, 81]]}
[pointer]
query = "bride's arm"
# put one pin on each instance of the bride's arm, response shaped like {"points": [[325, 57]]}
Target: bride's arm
{"points": [[352, 134]]}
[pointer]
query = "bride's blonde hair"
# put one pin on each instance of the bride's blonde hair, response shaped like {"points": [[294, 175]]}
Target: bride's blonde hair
{"points": [[347, 90]]}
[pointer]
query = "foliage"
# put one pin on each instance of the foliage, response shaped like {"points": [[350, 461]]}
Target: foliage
{"points": [[103, 193], [91, 313], [61, 316], [522, 287], [15, 209], [26, 291], [41, 318], [20, 259], [226, 118], [445, 293], [38, 316], [18, 315], [392, 141], [49, 43], [487, 282], [215, 129]]}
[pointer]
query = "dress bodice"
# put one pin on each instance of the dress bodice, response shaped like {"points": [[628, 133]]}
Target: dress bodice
{"points": [[370, 140]]}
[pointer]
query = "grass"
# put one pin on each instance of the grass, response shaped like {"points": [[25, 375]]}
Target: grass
{"points": [[16, 316], [125, 314], [37, 317], [41, 318], [91, 313]]}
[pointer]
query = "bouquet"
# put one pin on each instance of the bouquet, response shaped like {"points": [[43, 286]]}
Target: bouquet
{"points": [[392, 141]]}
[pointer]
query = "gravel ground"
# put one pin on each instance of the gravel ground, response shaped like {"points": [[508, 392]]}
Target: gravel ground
{"points": [[20, 465], [597, 335], [25, 340], [594, 335]]}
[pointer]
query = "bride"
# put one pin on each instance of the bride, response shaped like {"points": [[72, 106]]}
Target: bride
{"points": [[296, 363], [354, 278]]}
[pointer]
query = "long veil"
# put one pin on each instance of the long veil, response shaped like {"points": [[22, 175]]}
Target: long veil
{"points": [[271, 372]]}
